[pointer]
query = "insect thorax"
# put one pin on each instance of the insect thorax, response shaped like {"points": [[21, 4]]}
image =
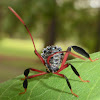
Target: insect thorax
{"points": [[55, 60]]}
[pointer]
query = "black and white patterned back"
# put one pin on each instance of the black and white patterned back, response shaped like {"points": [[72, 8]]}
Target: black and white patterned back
{"points": [[55, 60]]}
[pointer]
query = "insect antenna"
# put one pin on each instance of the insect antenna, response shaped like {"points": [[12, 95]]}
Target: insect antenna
{"points": [[13, 11]]}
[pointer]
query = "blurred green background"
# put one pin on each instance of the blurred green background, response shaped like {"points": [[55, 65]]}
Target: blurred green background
{"points": [[51, 22]]}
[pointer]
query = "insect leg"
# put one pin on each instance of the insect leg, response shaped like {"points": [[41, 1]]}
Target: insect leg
{"points": [[32, 76], [76, 72], [26, 72], [67, 83], [63, 65], [25, 83], [39, 57], [62, 68], [80, 51], [64, 59]]}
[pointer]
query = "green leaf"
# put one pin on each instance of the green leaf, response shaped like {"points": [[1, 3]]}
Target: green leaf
{"points": [[53, 87]]}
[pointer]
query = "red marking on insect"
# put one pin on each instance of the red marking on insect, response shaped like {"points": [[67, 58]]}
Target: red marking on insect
{"points": [[51, 58]]}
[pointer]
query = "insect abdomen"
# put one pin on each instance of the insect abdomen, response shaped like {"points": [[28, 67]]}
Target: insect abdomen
{"points": [[55, 59]]}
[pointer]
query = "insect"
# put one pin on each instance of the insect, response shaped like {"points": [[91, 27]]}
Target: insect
{"points": [[52, 57]]}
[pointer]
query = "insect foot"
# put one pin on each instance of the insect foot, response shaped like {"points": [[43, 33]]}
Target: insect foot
{"points": [[25, 84]]}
